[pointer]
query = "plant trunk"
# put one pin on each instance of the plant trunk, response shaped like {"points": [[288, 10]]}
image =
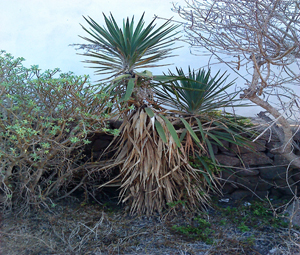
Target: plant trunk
{"points": [[285, 133]]}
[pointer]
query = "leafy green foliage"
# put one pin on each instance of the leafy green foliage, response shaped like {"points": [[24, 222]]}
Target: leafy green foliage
{"points": [[256, 214], [45, 121], [197, 97], [120, 50], [201, 231], [204, 162], [196, 92]]}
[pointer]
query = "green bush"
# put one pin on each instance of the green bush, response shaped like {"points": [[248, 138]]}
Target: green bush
{"points": [[45, 121]]}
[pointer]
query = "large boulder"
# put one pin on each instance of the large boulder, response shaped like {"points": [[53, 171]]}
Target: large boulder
{"points": [[276, 193], [241, 194], [246, 194], [228, 175], [274, 147], [101, 143], [225, 149]]}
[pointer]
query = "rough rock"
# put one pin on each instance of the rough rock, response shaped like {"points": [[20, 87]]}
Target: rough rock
{"points": [[296, 136], [255, 159], [241, 194], [228, 188], [99, 145], [276, 193], [270, 155], [238, 149], [246, 194], [228, 153], [267, 133], [227, 160], [280, 160], [272, 172], [215, 148], [247, 183], [115, 124], [284, 188], [226, 145], [254, 183], [259, 145], [228, 174], [246, 172], [262, 193], [296, 175], [293, 211], [274, 147]]}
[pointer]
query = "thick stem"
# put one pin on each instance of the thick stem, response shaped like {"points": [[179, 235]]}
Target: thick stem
{"points": [[285, 134], [286, 138]]}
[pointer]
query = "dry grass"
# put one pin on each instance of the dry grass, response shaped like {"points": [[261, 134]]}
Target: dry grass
{"points": [[74, 228]]}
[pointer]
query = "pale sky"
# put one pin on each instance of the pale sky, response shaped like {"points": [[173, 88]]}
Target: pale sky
{"points": [[41, 31]]}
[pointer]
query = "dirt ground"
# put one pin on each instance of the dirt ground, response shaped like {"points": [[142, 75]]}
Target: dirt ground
{"points": [[75, 227]]}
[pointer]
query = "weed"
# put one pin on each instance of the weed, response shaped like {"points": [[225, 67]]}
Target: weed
{"points": [[243, 227], [176, 203], [250, 240], [257, 215], [223, 222], [201, 230]]}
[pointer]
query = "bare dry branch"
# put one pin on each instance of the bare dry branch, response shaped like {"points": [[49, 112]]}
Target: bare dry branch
{"points": [[267, 34]]}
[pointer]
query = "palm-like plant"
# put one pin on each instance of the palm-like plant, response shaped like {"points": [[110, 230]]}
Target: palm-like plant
{"points": [[155, 169], [196, 92], [198, 98], [122, 50]]}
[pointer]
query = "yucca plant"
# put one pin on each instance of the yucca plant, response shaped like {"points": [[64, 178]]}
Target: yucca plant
{"points": [[199, 97], [119, 51], [154, 167], [197, 92], [155, 171]]}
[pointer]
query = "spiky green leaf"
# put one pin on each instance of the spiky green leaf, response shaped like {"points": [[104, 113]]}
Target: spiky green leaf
{"points": [[171, 130], [123, 49], [149, 112], [129, 89], [160, 131], [191, 131]]}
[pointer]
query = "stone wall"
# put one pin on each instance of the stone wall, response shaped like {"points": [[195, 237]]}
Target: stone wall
{"points": [[259, 171]]}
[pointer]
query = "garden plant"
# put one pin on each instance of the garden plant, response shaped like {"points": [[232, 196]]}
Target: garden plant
{"points": [[45, 122], [156, 140]]}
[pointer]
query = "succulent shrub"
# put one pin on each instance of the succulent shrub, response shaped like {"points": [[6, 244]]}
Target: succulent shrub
{"points": [[45, 120]]}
